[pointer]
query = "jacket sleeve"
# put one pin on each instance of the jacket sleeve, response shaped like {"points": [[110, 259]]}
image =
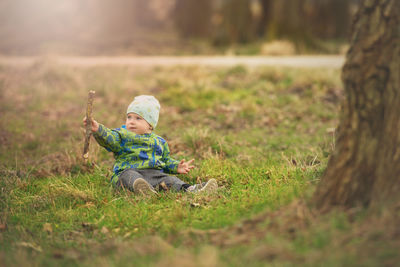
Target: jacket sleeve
{"points": [[109, 139], [171, 165]]}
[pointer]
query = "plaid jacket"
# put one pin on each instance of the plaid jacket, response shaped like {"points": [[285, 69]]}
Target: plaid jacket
{"points": [[146, 151]]}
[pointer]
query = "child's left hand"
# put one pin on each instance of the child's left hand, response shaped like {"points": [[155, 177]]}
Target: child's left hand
{"points": [[184, 167]]}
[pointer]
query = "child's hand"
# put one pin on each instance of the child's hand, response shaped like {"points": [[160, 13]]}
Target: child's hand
{"points": [[184, 167], [95, 124]]}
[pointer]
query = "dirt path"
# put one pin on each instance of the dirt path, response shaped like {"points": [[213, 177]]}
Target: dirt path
{"points": [[335, 61]]}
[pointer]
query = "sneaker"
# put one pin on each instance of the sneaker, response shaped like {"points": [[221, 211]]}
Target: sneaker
{"points": [[140, 186], [209, 187]]}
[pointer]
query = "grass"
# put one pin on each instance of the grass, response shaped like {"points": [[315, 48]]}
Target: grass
{"points": [[264, 134]]}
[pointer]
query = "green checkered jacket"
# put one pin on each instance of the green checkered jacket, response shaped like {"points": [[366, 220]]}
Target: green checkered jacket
{"points": [[146, 151]]}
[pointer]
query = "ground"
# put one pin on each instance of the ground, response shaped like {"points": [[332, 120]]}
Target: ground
{"points": [[264, 133]]}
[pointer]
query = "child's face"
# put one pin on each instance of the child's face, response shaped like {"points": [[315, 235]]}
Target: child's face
{"points": [[138, 125]]}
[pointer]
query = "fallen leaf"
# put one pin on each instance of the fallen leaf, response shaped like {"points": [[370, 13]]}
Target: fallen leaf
{"points": [[104, 230], [47, 228]]}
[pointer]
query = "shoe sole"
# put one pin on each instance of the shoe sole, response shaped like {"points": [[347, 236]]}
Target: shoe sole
{"points": [[140, 186], [210, 187]]}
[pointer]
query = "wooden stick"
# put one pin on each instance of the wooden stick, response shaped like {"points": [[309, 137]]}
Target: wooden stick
{"points": [[88, 133]]}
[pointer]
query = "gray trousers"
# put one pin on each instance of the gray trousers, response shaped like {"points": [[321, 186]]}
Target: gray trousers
{"points": [[154, 177]]}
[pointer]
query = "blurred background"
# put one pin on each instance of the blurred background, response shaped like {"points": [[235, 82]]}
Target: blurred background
{"points": [[174, 27]]}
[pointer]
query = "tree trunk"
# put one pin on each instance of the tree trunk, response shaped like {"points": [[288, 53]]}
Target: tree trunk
{"points": [[364, 169], [237, 23], [192, 17], [266, 16], [307, 22], [327, 19]]}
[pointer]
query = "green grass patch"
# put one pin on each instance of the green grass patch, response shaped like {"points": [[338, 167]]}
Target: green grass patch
{"points": [[265, 134]]}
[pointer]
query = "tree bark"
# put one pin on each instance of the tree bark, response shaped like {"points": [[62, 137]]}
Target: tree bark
{"points": [[364, 169]]}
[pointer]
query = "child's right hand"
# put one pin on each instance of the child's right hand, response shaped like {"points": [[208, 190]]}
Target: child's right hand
{"points": [[95, 124]]}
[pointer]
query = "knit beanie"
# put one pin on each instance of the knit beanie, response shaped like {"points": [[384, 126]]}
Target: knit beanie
{"points": [[147, 107]]}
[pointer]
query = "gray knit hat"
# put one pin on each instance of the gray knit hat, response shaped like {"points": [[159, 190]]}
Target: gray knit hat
{"points": [[147, 107]]}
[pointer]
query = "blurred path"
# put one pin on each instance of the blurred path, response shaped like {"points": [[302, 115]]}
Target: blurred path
{"points": [[335, 61]]}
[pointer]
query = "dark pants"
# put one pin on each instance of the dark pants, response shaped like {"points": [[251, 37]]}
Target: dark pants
{"points": [[154, 177]]}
